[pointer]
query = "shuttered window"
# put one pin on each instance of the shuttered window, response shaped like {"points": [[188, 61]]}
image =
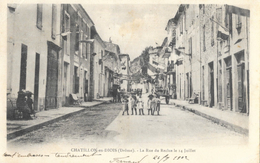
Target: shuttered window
{"points": [[77, 38], [23, 67], [212, 32], [53, 25], [190, 47], [39, 16], [204, 43]]}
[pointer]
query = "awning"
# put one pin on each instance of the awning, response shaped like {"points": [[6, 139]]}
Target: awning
{"points": [[222, 33]]}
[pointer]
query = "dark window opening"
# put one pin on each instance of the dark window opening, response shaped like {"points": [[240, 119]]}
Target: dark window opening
{"points": [[53, 26], [39, 16], [23, 67]]}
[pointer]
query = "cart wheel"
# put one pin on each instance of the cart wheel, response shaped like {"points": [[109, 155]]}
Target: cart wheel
{"points": [[167, 100]]}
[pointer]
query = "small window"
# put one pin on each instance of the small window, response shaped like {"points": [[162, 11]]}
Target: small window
{"points": [[212, 32], [53, 26], [23, 68], [238, 22], [204, 42], [39, 16], [181, 26], [190, 47], [77, 38]]}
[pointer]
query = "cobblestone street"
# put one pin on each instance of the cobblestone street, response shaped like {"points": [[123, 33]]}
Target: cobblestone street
{"points": [[82, 128], [105, 124]]}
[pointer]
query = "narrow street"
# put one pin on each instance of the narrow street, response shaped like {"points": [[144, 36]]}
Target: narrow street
{"points": [[105, 124]]}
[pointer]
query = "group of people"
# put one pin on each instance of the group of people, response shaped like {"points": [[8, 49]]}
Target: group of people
{"points": [[137, 103], [24, 105]]}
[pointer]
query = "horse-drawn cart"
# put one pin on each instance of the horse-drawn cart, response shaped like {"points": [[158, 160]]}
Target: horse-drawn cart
{"points": [[164, 93]]}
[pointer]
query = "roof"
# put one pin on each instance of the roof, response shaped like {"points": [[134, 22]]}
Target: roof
{"points": [[169, 23], [86, 13], [178, 13], [111, 47], [238, 10], [124, 55]]}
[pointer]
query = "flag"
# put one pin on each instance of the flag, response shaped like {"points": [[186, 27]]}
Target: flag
{"points": [[222, 33]]}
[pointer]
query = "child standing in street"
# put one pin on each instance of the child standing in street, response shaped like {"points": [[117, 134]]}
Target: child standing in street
{"points": [[140, 105], [149, 104], [29, 102], [125, 105], [134, 104]]}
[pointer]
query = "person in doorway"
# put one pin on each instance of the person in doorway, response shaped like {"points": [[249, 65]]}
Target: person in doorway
{"points": [[29, 102], [22, 106]]}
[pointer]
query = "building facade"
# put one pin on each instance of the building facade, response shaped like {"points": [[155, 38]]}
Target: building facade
{"points": [[34, 53], [212, 55], [76, 27], [125, 71], [55, 51], [111, 62]]}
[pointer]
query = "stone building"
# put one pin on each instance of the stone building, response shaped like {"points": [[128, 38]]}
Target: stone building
{"points": [[34, 53], [212, 55], [55, 51], [111, 62], [76, 52], [171, 58], [125, 71], [98, 67], [225, 58]]}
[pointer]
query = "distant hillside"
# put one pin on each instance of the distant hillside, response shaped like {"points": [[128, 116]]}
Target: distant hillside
{"points": [[141, 61], [136, 65]]}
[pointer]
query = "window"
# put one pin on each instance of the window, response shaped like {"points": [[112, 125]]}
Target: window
{"points": [[23, 67], [81, 45], [227, 19], [190, 47], [204, 43], [181, 26], [212, 31], [66, 28], [53, 26], [101, 62], [39, 16], [219, 15], [76, 80], [77, 38], [238, 21]]}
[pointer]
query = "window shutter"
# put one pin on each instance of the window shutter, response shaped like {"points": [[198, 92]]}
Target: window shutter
{"points": [[54, 15], [39, 16]]}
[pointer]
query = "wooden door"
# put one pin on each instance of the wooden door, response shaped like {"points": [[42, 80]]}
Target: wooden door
{"points": [[229, 88], [52, 79], [65, 80], [212, 89], [241, 88], [36, 81]]}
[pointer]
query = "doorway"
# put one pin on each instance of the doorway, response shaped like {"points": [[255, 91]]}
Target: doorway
{"points": [[228, 79], [85, 86], [52, 78], [211, 84], [36, 81], [240, 82], [65, 83]]}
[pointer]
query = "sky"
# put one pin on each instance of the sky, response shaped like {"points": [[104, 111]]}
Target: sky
{"points": [[132, 27]]}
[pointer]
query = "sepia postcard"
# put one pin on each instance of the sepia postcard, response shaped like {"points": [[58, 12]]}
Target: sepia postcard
{"points": [[130, 81]]}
